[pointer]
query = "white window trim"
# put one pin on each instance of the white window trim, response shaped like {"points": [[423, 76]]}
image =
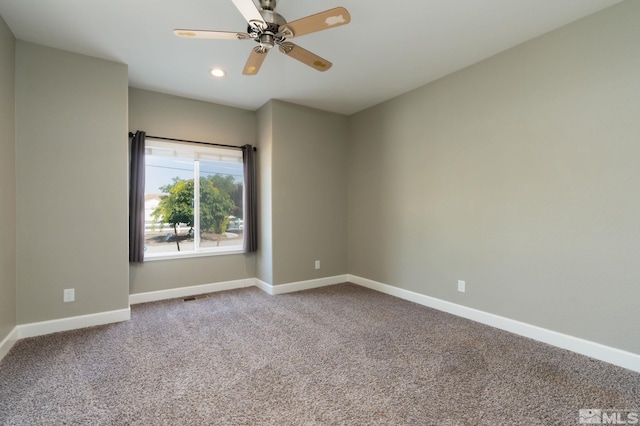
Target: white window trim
{"points": [[221, 251]]}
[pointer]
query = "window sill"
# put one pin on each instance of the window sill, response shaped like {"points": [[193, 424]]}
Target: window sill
{"points": [[190, 254]]}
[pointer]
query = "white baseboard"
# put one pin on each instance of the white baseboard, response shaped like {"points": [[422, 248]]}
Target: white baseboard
{"points": [[608, 354], [300, 285], [195, 290], [8, 342], [264, 286], [598, 351], [72, 323]]}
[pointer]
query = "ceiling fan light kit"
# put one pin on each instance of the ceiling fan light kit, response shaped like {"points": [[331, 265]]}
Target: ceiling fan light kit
{"points": [[270, 29]]}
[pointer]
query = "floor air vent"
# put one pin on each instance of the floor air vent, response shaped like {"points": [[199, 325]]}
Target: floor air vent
{"points": [[200, 296]]}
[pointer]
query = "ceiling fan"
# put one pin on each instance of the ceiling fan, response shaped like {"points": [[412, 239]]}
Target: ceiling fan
{"points": [[269, 29]]}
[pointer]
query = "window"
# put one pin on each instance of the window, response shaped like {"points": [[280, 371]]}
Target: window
{"points": [[193, 199]]}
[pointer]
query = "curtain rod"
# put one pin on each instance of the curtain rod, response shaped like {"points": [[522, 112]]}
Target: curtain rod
{"points": [[188, 141]]}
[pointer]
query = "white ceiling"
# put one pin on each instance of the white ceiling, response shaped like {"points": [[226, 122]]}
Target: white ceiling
{"points": [[390, 47]]}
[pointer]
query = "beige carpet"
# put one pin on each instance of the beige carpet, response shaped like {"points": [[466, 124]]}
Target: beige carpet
{"points": [[336, 355]]}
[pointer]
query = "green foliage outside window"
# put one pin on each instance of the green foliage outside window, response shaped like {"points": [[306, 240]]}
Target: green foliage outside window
{"points": [[216, 204]]}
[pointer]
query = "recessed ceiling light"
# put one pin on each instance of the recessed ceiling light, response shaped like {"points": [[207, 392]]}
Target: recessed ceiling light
{"points": [[218, 72]]}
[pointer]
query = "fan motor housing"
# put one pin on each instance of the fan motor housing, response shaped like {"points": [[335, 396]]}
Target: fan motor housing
{"points": [[273, 18], [267, 36]]}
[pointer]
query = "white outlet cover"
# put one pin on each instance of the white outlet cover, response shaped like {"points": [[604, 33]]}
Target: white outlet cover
{"points": [[461, 286], [69, 295]]}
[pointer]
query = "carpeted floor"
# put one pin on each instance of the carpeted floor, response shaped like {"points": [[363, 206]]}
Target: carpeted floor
{"points": [[335, 355]]}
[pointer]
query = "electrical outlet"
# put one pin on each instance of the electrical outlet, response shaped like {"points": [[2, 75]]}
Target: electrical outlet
{"points": [[461, 286], [69, 295], [317, 264]]}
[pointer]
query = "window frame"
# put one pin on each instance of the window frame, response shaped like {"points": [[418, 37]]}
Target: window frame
{"points": [[200, 151]]}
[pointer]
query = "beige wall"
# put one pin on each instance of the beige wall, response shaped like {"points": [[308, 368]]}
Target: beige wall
{"points": [[72, 183], [264, 256], [309, 196], [7, 183], [170, 116], [518, 175]]}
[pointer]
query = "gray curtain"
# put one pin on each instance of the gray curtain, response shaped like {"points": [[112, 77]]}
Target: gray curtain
{"points": [[136, 199], [250, 200]]}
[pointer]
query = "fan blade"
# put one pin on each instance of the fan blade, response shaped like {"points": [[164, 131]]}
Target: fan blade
{"points": [[304, 56], [220, 35], [250, 11], [318, 22], [256, 58]]}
